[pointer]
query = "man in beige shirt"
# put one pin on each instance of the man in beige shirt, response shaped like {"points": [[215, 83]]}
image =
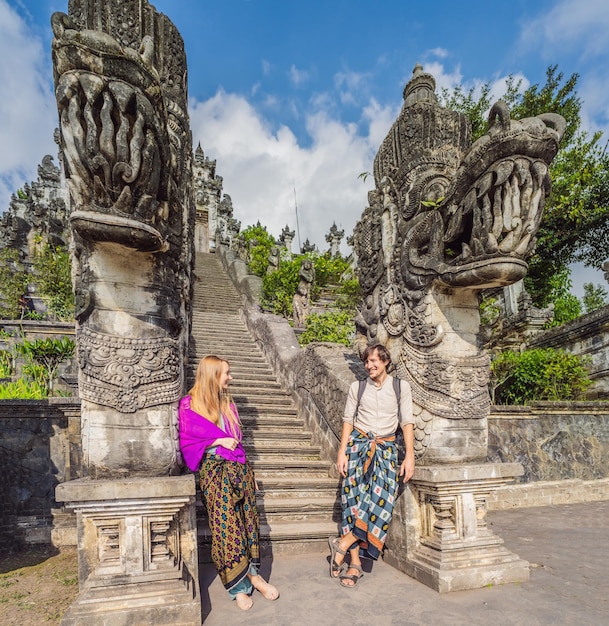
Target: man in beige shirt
{"points": [[367, 460]]}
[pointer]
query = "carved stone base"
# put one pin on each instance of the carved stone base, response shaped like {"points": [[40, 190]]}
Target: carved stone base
{"points": [[439, 534], [137, 551]]}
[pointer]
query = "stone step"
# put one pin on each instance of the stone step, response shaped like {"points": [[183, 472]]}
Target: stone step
{"points": [[277, 423], [248, 354], [281, 537], [279, 439], [298, 486], [288, 467], [260, 453], [324, 508], [297, 500]]}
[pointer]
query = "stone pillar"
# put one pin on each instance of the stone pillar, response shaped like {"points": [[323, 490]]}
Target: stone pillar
{"points": [[448, 218], [120, 83], [442, 538], [137, 546]]}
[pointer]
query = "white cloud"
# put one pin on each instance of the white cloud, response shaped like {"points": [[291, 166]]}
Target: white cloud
{"points": [[267, 67], [577, 30], [580, 25], [298, 77], [441, 53], [443, 79], [27, 107], [261, 167]]}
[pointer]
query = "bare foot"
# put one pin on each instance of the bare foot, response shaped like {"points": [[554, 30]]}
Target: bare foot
{"points": [[267, 590], [244, 602]]}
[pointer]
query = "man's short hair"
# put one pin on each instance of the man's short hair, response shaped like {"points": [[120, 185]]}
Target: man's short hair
{"points": [[381, 351]]}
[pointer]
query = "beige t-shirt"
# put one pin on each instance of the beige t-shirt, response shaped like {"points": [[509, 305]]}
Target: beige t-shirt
{"points": [[378, 408]]}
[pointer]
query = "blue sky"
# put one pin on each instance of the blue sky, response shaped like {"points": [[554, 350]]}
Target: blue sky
{"points": [[290, 95]]}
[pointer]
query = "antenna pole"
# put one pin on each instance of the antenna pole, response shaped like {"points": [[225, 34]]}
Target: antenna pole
{"points": [[297, 224]]}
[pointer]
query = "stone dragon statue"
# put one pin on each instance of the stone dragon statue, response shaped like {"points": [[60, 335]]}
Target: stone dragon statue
{"points": [[120, 84], [446, 220]]}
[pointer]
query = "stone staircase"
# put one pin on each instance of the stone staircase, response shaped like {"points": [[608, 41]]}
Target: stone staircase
{"points": [[327, 300], [297, 500]]}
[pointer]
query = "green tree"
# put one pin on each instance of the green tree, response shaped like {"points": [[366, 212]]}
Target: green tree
{"points": [[595, 297], [259, 243], [279, 287], [53, 276], [13, 284], [44, 357], [333, 326], [575, 224], [566, 306]]}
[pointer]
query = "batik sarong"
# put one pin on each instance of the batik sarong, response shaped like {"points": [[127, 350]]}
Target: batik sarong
{"points": [[369, 490], [229, 494]]}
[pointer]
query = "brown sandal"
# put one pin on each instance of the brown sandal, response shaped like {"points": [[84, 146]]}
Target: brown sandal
{"points": [[352, 577], [335, 568]]}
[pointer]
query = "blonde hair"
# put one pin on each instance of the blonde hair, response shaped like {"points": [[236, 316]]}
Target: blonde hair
{"points": [[206, 396]]}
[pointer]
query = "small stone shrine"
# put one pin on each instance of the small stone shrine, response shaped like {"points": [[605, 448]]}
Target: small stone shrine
{"points": [[447, 219]]}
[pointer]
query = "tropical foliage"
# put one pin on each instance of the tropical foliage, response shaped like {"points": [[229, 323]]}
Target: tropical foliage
{"points": [[538, 374], [43, 357], [53, 277], [13, 284]]}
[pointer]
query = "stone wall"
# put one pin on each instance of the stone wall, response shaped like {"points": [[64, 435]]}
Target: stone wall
{"points": [[588, 336], [40, 448], [553, 441]]}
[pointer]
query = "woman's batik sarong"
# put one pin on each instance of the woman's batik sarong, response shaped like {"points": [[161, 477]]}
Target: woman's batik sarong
{"points": [[369, 489], [229, 493]]}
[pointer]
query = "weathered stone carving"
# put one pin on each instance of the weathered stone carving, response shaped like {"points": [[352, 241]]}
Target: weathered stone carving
{"points": [[120, 84], [39, 211], [286, 238], [207, 187], [307, 246], [228, 227], [446, 220], [301, 302], [273, 259], [120, 81], [334, 237]]}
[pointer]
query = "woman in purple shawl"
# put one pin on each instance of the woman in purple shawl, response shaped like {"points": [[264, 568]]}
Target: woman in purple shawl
{"points": [[210, 440]]}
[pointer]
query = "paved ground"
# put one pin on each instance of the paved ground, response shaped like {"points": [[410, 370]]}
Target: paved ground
{"points": [[567, 547]]}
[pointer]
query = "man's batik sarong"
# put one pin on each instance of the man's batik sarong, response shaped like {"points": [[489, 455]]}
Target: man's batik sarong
{"points": [[229, 493], [369, 490]]}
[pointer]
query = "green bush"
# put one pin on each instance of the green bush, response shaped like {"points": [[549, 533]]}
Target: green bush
{"points": [[13, 284], [43, 357], [22, 389], [259, 253], [334, 327], [53, 276], [280, 286], [348, 295], [538, 374], [328, 270], [7, 360]]}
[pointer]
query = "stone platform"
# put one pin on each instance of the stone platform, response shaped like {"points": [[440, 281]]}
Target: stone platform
{"points": [[567, 547]]}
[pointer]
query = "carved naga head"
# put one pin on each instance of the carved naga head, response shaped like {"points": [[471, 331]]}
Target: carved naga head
{"points": [[122, 106], [451, 213]]}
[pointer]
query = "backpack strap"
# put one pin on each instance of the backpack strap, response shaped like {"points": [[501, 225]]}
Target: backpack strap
{"points": [[360, 393], [397, 388]]}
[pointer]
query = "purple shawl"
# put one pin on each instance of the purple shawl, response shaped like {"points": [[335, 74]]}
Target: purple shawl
{"points": [[198, 433]]}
